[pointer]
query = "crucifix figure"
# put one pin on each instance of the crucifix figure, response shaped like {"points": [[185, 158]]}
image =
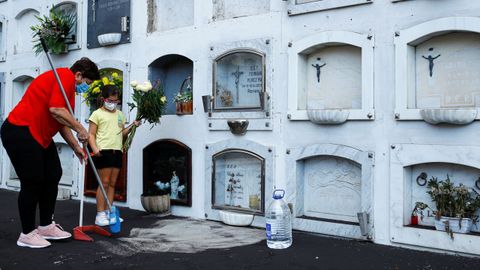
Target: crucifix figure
{"points": [[237, 75], [430, 59], [318, 67]]}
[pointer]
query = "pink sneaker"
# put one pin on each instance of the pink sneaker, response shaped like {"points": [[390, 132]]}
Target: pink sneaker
{"points": [[53, 232], [32, 240]]}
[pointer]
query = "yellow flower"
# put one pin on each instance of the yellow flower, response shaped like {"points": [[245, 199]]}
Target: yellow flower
{"points": [[96, 90], [163, 99], [114, 75], [85, 95], [95, 83], [111, 83], [105, 80]]}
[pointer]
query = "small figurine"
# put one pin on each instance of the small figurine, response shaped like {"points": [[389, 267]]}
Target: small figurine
{"points": [[174, 182]]}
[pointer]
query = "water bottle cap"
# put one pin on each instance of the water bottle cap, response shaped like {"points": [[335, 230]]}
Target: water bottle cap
{"points": [[278, 194]]}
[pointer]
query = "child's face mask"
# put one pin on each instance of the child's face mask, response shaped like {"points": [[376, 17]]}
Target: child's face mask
{"points": [[109, 105]]}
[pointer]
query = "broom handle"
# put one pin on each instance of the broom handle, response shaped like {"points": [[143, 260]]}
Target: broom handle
{"points": [[85, 146]]}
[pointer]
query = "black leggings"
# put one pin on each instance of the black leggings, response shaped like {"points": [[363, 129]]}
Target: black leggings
{"points": [[39, 170]]}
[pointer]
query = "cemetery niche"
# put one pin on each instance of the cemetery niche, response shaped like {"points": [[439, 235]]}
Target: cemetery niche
{"points": [[331, 78], [67, 9], [437, 72], [239, 81], [3, 38], [175, 73], [23, 34], [238, 181], [168, 164]]}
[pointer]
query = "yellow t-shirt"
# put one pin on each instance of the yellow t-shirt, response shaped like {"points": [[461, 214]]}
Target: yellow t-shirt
{"points": [[109, 127]]}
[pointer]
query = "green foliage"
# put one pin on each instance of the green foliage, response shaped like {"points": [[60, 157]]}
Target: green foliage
{"points": [[54, 30], [453, 201]]}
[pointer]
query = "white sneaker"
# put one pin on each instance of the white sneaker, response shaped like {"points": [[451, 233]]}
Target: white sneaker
{"points": [[101, 219]]}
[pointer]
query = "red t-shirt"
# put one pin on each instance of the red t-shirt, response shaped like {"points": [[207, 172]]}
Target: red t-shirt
{"points": [[42, 94]]}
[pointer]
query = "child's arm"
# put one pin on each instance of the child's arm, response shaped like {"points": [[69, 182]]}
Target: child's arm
{"points": [[127, 130], [92, 130]]}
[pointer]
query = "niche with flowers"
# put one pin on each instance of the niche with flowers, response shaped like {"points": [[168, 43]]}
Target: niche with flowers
{"points": [[174, 73], [73, 39]]}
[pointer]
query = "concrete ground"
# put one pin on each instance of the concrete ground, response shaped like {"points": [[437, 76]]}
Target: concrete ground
{"points": [[148, 242]]}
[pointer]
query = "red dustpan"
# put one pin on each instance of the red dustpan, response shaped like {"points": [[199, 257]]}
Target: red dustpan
{"points": [[79, 232]]}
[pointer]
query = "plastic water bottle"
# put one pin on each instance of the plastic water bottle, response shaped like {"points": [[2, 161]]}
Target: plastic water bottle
{"points": [[279, 222]]}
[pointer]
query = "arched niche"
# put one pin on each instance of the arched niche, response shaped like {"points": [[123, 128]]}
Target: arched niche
{"points": [[407, 163], [329, 186], [238, 178], [331, 71], [71, 7], [107, 68], [239, 80], [437, 71], [171, 71], [162, 160], [23, 42]]}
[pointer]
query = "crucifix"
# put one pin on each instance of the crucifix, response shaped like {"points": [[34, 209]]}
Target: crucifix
{"points": [[237, 75], [430, 59], [318, 67]]}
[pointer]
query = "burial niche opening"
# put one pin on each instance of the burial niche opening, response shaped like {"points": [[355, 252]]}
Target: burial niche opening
{"points": [[239, 81], [169, 161], [238, 181], [174, 73]]}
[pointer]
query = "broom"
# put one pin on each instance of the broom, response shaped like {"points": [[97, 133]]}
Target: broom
{"points": [[114, 213]]}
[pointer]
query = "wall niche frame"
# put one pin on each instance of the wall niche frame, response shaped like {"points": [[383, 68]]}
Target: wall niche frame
{"points": [[402, 158], [69, 5], [172, 70], [405, 42], [257, 151], [298, 7], [24, 18], [296, 162], [124, 67], [259, 117], [3, 38], [298, 54]]}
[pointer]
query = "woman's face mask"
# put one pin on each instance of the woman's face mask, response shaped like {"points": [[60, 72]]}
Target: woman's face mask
{"points": [[109, 105], [82, 88]]}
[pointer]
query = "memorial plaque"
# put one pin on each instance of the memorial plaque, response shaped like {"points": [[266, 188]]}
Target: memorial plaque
{"points": [[238, 81], [334, 78], [332, 188], [108, 16], [448, 71], [238, 182]]}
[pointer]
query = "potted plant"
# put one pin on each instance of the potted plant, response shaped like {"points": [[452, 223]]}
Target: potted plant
{"points": [[157, 198], [184, 98], [55, 31], [455, 205]]}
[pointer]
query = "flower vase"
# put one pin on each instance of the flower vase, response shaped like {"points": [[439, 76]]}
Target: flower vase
{"points": [[178, 107], [187, 107], [414, 220], [156, 204], [456, 225]]}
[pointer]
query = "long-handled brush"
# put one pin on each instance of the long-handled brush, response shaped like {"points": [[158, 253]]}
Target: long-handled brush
{"points": [[79, 232]]}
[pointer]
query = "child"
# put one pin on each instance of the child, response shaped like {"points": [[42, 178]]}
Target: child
{"points": [[107, 133]]}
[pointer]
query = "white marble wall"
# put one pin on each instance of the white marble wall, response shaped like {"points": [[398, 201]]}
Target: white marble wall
{"points": [[227, 9], [173, 14]]}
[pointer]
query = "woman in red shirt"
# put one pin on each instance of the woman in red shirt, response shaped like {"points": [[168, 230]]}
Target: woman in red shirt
{"points": [[27, 136]]}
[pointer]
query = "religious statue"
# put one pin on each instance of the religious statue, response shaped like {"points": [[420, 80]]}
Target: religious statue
{"points": [[430, 59], [318, 67], [174, 183]]}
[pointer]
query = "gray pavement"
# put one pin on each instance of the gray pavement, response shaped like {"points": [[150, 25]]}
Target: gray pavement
{"points": [[149, 242]]}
